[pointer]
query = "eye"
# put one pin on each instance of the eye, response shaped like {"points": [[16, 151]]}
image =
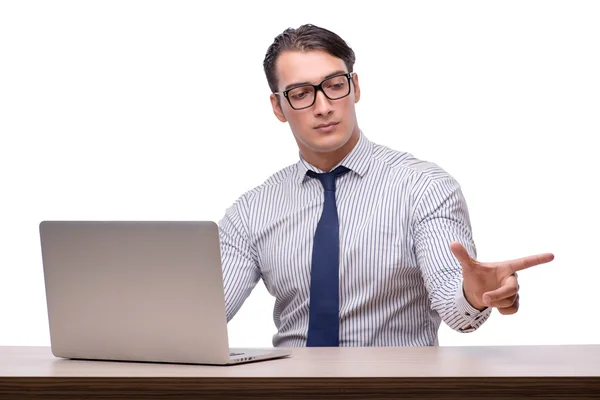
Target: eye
{"points": [[299, 95], [336, 86]]}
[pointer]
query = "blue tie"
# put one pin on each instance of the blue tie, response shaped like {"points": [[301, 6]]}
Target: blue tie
{"points": [[324, 319]]}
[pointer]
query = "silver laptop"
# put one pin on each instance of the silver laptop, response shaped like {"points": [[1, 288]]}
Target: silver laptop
{"points": [[138, 291]]}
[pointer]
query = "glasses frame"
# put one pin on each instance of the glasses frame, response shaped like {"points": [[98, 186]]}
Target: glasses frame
{"points": [[316, 88]]}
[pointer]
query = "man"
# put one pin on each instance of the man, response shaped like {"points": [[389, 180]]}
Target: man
{"points": [[361, 245]]}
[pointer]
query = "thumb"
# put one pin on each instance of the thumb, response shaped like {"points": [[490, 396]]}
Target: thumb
{"points": [[461, 253]]}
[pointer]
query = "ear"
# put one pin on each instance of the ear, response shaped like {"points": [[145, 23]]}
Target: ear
{"points": [[277, 108], [356, 87]]}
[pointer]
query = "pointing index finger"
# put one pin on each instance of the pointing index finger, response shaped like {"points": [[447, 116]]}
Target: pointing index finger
{"points": [[527, 262]]}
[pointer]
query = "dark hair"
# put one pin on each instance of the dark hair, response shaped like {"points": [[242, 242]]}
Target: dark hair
{"points": [[306, 37]]}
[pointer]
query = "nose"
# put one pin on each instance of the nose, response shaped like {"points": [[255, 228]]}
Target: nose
{"points": [[322, 105]]}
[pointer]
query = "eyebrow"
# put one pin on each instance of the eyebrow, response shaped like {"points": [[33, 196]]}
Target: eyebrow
{"points": [[292, 85]]}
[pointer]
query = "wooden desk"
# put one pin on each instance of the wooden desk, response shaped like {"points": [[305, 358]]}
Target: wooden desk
{"points": [[544, 372]]}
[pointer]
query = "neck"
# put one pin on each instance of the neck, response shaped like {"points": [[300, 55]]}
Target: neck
{"points": [[326, 161]]}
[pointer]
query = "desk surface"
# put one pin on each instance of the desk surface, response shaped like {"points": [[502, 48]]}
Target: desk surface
{"points": [[570, 371]]}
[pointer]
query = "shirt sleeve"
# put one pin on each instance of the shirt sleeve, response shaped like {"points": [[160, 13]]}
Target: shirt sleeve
{"points": [[442, 217], [240, 268]]}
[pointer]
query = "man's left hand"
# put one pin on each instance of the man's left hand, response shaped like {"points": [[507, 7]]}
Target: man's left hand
{"points": [[494, 284]]}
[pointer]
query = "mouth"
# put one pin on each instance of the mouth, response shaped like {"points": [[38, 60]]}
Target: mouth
{"points": [[326, 127]]}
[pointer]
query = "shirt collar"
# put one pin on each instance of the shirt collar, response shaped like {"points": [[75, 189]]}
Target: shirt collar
{"points": [[358, 160]]}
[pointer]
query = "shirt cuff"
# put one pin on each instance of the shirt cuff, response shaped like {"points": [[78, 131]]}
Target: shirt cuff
{"points": [[472, 317]]}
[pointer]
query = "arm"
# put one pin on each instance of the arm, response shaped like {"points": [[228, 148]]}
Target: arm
{"points": [[240, 268], [441, 217]]}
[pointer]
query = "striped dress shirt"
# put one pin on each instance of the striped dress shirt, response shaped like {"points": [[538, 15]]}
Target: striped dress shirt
{"points": [[398, 278]]}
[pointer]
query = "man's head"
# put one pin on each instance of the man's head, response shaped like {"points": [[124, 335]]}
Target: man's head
{"points": [[308, 56]]}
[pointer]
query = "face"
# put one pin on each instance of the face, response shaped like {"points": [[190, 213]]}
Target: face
{"points": [[314, 66]]}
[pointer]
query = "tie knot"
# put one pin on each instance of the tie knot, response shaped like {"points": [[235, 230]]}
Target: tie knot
{"points": [[328, 178]]}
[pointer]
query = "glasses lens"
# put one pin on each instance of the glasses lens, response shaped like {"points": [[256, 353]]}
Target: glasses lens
{"points": [[302, 96], [336, 87]]}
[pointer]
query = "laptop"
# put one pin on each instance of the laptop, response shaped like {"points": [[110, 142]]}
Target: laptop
{"points": [[138, 291]]}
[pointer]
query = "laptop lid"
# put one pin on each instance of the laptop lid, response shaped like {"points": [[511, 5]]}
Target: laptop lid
{"points": [[139, 291]]}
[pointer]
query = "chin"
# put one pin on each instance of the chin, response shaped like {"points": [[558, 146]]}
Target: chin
{"points": [[325, 143]]}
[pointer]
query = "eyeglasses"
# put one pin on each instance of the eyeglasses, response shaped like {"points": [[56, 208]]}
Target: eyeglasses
{"points": [[304, 96]]}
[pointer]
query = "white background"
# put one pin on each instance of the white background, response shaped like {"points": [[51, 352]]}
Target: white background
{"points": [[159, 111]]}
